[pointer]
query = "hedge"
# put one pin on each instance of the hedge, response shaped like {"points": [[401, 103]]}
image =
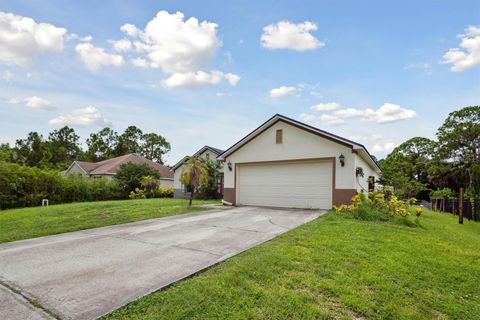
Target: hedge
{"points": [[22, 186]]}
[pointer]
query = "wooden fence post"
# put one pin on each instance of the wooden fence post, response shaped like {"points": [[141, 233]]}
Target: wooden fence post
{"points": [[460, 207]]}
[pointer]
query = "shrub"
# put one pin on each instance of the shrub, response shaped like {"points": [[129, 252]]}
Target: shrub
{"points": [[164, 192], [376, 207], [137, 194], [22, 186], [129, 176]]}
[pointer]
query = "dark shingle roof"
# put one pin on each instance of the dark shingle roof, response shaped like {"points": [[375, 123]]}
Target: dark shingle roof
{"points": [[111, 166]]}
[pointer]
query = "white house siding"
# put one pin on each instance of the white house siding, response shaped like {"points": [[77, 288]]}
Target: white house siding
{"points": [[297, 144], [362, 182], [164, 183]]}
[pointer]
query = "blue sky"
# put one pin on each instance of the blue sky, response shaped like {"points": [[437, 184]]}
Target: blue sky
{"points": [[372, 71]]}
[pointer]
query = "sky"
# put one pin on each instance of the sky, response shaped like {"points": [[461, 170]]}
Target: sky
{"points": [[209, 72]]}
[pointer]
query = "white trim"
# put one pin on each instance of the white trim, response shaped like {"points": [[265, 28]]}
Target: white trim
{"points": [[76, 163]]}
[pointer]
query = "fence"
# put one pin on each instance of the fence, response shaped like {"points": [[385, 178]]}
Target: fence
{"points": [[471, 209]]}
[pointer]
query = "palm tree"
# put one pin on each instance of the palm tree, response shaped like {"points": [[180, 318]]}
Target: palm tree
{"points": [[194, 174], [150, 185]]}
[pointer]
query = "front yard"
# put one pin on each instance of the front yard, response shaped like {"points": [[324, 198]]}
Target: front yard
{"points": [[336, 268], [17, 224]]}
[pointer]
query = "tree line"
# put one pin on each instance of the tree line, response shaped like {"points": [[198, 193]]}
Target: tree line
{"points": [[62, 147], [420, 167]]}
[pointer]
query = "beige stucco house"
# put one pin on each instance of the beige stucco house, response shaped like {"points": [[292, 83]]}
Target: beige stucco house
{"points": [[108, 168], [180, 190], [286, 163]]}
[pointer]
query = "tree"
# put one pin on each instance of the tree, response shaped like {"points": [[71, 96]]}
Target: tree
{"points": [[101, 145], [406, 167], [195, 173], [130, 175], [129, 141], [209, 189], [6, 153], [154, 147], [31, 150], [64, 146], [459, 139]]}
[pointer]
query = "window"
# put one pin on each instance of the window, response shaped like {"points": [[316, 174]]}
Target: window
{"points": [[207, 155], [278, 136]]}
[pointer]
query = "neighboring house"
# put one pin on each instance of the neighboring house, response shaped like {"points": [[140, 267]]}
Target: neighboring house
{"points": [[179, 189], [286, 163], [108, 168]]}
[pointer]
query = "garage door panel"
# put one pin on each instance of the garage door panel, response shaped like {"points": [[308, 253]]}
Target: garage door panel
{"points": [[292, 184]]}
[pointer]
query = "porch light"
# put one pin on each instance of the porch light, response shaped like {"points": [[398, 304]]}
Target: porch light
{"points": [[229, 164], [342, 159]]}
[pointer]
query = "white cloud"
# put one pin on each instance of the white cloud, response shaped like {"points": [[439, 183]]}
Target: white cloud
{"points": [[468, 55], [130, 30], [385, 148], [22, 39], [199, 78], [316, 94], [389, 112], [329, 106], [93, 57], [139, 62], [232, 78], [175, 45], [38, 103], [351, 112], [7, 75], [326, 119], [122, 45], [281, 92], [86, 117], [331, 120], [386, 113], [287, 35]]}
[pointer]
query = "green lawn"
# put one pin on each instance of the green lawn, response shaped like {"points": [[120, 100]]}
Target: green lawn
{"points": [[336, 268], [16, 224]]}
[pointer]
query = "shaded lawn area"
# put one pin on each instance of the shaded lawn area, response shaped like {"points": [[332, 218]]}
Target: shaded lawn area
{"points": [[336, 268], [17, 224]]}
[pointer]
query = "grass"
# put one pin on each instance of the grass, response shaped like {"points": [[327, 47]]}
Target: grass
{"points": [[336, 268], [17, 224]]}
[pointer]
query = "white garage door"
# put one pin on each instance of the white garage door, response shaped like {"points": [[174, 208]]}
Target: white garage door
{"points": [[286, 184]]}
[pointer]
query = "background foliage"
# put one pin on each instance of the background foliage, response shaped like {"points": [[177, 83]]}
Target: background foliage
{"points": [[420, 165]]}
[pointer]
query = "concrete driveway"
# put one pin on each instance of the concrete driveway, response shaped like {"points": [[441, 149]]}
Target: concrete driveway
{"points": [[86, 274]]}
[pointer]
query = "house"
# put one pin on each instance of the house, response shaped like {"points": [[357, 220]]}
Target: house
{"points": [[182, 191], [108, 168], [287, 163]]}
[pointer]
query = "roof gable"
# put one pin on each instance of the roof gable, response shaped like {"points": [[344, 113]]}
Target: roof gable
{"points": [[327, 135], [111, 166], [215, 151]]}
